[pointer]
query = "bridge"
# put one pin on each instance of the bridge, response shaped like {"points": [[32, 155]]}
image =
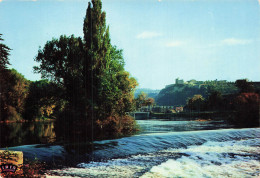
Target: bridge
{"points": [[140, 115]]}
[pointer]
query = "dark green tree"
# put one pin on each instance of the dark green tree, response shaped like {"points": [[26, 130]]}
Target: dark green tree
{"points": [[109, 87], [98, 55], [244, 86], [91, 73], [61, 61], [4, 61], [196, 103], [14, 91], [43, 101], [215, 101], [4, 54]]}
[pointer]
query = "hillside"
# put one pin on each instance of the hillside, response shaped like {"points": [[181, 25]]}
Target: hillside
{"points": [[150, 92], [178, 94]]}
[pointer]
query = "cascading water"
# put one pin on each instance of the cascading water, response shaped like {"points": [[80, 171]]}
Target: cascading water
{"points": [[164, 152]]}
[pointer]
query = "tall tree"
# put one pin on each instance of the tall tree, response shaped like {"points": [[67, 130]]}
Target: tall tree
{"points": [[4, 81], [106, 71], [4, 54], [91, 72], [98, 51], [14, 91], [61, 61]]}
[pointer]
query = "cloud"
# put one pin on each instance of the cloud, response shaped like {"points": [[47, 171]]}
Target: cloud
{"points": [[175, 44], [235, 41], [148, 35]]}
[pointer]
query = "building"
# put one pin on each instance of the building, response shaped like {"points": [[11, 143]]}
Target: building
{"points": [[179, 109], [179, 81]]}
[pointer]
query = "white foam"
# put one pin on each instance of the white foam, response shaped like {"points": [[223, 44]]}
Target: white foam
{"points": [[212, 159], [186, 167], [99, 171], [235, 158]]}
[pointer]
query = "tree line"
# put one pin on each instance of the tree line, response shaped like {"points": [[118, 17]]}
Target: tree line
{"points": [[85, 87], [243, 107], [178, 94], [238, 102]]}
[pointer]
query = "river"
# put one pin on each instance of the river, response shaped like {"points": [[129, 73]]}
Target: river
{"points": [[162, 149]]}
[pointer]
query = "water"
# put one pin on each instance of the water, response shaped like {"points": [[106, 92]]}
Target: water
{"points": [[16, 134], [161, 149], [174, 149]]}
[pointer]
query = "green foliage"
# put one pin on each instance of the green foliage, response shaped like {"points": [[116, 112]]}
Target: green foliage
{"points": [[140, 100], [115, 125], [244, 86], [4, 54], [61, 60], [196, 103], [90, 73], [14, 91], [178, 94], [44, 101], [150, 92], [143, 100], [13, 88], [223, 87], [149, 101], [215, 101]]}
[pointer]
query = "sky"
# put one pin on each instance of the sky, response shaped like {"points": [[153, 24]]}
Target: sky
{"points": [[161, 39]]}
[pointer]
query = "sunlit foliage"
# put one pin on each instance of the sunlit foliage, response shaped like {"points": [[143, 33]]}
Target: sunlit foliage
{"points": [[143, 100], [44, 101], [91, 75], [14, 91], [196, 103]]}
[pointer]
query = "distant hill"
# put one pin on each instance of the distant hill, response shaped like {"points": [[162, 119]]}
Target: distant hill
{"points": [[178, 94], [150, 92]]}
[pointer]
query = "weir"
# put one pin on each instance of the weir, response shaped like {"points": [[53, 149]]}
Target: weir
{"points": [[140, 115]]}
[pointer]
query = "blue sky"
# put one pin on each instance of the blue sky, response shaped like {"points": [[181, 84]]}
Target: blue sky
{"points": [[161, 39]]}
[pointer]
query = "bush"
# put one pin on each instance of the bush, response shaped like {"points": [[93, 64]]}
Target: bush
{"points": [[247, 110]]}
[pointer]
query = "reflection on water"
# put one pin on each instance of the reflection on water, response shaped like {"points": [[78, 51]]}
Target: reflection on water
{"points": [[188, 147], [15, 134]]}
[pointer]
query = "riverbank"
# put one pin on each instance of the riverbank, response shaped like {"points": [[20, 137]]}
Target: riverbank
{"points": [[205, 115], [27, 121], [154, 137]]}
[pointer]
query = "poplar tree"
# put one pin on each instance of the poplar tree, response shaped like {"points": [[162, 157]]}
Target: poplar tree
{"points": [[110, 86], [98, 48], [4, 54], [99, 90]]}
